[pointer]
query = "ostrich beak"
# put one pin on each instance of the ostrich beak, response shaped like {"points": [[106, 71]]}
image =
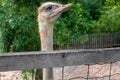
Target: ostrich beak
{"points": [[60, 9]]}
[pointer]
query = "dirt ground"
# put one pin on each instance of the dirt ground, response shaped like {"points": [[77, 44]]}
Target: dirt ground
{"points": [[99, 72], [11, 75]]}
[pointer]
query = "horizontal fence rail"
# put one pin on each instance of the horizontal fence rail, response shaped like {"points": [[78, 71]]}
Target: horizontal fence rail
{"points": [[34, 60]]}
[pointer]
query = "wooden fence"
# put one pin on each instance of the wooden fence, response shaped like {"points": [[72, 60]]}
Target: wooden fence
{"points": [[100, 40], [98, 49], [34, 60]]}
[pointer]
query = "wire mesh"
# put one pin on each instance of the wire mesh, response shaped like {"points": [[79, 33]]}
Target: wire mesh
{"points": [[105, 71], [109, 71]]}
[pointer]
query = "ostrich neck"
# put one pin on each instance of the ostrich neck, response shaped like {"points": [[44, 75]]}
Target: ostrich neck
{"points": [[46, 36]]}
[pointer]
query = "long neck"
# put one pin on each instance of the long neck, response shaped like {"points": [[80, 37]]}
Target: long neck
{"points": [[46, 36]]}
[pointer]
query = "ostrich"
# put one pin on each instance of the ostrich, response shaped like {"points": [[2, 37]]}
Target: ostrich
{"points": [[48, 13]]}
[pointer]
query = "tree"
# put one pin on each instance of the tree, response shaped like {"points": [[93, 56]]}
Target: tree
{"points": [[109, 20], [19, 27]]}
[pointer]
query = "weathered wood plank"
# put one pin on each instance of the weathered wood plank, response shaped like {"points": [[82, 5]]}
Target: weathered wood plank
{"points": [[30, 60]]}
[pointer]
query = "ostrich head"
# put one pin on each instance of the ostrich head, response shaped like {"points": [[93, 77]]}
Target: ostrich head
{"points": [[50, 11], [47, 15]]}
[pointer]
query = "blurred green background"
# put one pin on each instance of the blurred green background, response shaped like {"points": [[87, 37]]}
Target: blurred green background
{"points": [[19, 29]]}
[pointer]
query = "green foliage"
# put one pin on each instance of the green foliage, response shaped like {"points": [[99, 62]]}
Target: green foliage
{"points": [[36, 74], [73, 24], [110, 19], [111, 3], [19, 27], [93, 7]]}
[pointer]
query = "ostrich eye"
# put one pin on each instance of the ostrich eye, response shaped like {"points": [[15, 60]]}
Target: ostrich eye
{"points": [[49, 8]]}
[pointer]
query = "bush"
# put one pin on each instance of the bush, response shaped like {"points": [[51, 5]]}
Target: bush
{"points": [[19, 27], [73, 24], [110, 20]]}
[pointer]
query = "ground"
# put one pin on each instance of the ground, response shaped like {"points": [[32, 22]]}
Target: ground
{"points": [[75, 73], [11, 75]]}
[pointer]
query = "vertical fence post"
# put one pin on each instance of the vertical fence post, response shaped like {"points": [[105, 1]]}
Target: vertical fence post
{"points": [[63, 73], [88, 72], [110, 71]]}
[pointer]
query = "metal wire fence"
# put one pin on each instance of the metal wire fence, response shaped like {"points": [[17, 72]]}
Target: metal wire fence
{"points": [[106, 71], [94, 74], [109, 76]]}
